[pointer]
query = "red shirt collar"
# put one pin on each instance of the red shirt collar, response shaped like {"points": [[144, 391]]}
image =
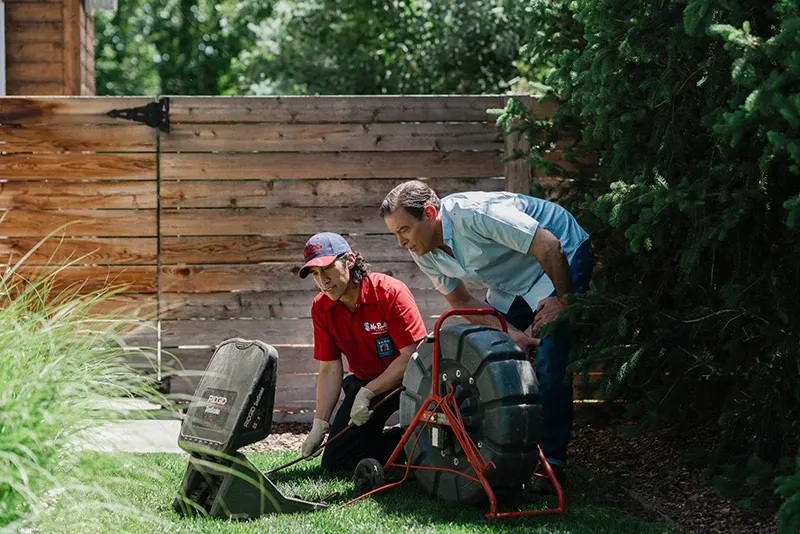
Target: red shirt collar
{"points": [[366, 296]]}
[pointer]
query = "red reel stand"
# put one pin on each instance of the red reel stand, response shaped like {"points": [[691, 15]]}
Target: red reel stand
{"points": [[445, 413]]}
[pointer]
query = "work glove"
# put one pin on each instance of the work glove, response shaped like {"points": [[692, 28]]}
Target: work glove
{"points": [[314, 439], [360, 412]]}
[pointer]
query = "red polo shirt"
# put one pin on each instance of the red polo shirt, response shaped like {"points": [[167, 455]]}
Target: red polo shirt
{"points": [[384, 320]]}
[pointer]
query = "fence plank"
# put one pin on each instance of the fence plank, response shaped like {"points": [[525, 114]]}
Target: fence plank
{"points": [[134, 278], [331, 165], [69, 138], [324, 109], [267, 304], [268, 277], [79, 167], [275, 221], [39, 12], [35, 88], [35, 32], [72, 195], [242, 249], [36, 51], [103, 251], [292, 359], [333, 137], [101, 223], [66, 110], [303, 193], [48, 71], [327, 109], [141, 305], [211, 332]]}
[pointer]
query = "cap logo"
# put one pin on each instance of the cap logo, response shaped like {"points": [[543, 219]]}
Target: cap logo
{"points": [[311, 249]]}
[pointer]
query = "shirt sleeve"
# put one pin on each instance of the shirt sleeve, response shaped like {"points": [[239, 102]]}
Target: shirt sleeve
{"points": [[325, 348], [406, 326], [505, 225], [441, 282]]}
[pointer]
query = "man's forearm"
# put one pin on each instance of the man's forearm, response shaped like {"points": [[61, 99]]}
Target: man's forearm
{"points": [[391, 377], [328, 386], [557, 269]]}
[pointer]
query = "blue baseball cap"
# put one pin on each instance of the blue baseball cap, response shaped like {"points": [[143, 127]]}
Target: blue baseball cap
{"points": [[322, 249]]}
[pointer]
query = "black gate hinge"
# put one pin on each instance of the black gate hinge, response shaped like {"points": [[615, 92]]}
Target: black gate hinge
{"points": [[154, 114]]}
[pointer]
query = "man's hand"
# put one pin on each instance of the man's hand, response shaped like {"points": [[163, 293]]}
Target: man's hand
{"points": [[527, 343], [360, 412], [314, 438], [547, 310]]}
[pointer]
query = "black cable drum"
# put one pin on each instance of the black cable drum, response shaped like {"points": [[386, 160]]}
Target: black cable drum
{"points": [[498, 397]]}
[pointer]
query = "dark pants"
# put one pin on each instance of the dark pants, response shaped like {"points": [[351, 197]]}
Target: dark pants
{"points": [[366, 441], [551, 363]]}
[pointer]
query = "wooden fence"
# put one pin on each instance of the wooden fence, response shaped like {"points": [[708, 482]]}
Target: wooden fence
{"points": [[202, 205]]}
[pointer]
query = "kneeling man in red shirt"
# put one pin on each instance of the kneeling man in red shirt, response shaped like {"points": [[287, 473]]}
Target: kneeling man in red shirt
{"points": [[372, 320]]}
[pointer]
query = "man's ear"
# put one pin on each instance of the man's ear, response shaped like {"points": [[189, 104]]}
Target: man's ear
{"points": [[429, 212], [351, 260]]}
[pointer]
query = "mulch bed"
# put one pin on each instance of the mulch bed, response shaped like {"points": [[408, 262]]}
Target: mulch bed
{"points": [[647, 478], [643, 476]]}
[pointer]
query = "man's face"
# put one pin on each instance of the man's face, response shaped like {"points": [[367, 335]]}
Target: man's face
{"points": [[416, 235], [333, 279]]}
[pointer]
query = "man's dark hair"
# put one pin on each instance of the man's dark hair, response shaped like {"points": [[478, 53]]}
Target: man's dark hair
{"points": [[360, 269], [413, 196]]}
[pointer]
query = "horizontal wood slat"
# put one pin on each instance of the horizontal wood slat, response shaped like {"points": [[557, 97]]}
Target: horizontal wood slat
{"points": [[76, 195], [35, 88], [133, 278], [35, 32], [273, 221], [66, 110], [35, 71], [14, 167], [101, 223], [303, 193], [267, 304], [246, 249], [40, 139], [211, 332], [56, 251], [331, 165], [38, 12], [336, 109], [292, 359], [25, 52], [142, 334], [141, 305], [333, 137], [269, 277]]}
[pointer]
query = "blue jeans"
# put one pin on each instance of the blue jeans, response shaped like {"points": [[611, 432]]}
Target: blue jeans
{"points": [[551, 363]]}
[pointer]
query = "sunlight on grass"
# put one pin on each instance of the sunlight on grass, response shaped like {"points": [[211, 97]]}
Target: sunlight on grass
{"points": [[403, 509]]}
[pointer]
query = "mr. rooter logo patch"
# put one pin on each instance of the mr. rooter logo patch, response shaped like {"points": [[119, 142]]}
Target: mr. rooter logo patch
{"points": [[218, 405]]}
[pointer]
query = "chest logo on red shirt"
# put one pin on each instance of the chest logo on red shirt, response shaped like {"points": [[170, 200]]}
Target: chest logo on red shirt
{"points": [[376, 327]]}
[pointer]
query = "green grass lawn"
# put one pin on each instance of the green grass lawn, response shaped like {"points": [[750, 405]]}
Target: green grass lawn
{"points": [[133, 494]]}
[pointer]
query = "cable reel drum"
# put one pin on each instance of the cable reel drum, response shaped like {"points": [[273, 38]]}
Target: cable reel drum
{"points": [[497, 394]]}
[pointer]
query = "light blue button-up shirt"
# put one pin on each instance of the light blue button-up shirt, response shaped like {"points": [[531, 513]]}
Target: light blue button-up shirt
{"points": [[490, 234]]}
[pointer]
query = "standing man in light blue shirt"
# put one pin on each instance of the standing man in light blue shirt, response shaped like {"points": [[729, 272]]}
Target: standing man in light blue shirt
{"points": [[530, 253]]}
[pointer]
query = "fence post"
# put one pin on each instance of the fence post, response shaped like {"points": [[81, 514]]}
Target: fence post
{"points": [[517, 172]]}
